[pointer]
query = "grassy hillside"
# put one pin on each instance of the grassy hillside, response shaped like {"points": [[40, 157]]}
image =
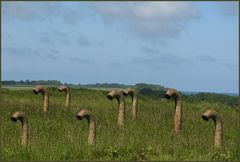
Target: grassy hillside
{"points": [[60, 136]]}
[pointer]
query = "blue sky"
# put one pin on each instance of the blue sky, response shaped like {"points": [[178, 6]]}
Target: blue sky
{"points": [[190, 46]]}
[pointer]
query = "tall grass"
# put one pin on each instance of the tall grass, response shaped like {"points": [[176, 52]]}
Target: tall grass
{"points": [[60, 136]]}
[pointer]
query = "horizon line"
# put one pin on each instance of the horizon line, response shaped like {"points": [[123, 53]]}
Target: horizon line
{"points": [[194, 91]]}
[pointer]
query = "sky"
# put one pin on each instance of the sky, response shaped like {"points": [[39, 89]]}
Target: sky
{"points": [[190, 46]]}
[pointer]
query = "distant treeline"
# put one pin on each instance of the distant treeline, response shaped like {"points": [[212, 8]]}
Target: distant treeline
{"points": [[28, 82], [212, 98], [155, 93], [97, 85], [199, 97], [151, 90], [105, 85]]}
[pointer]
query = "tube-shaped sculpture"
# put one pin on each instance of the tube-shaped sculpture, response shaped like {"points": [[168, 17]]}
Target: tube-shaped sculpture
{"points": [[121, 105], [83, 113], [134, 96], [18, 115], [173, 93], [44, 92], [66, 90], [210, 113]]}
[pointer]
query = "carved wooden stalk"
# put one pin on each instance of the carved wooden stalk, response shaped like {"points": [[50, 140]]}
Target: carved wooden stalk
{"points": [[134, 96], [66, 90], [173, 93], [18, 115], [210, 113], [83, 113], [121, 105], [44, 92]]}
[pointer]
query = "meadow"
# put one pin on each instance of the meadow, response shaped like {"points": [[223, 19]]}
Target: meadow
{"points": [[60, 136]]}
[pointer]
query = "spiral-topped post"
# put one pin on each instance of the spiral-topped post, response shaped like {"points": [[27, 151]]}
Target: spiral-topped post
{"points": [[66, 90], [84, 113], [121, 105], [44, 92], [211, 113], [173, 93], [134, 95], [18, 115]]}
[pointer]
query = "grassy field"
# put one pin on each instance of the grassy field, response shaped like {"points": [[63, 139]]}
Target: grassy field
{"points": [[60, 136]]}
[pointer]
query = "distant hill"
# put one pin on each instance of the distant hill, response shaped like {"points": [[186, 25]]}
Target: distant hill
{"points": [[151, 90], [97, 85]]}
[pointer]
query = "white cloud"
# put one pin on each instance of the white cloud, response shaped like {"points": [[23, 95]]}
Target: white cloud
{"points": [[150, 19], [34, 11]]}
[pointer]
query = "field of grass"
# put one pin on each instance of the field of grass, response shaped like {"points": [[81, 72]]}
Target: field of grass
{"points": [[60, 136]]}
